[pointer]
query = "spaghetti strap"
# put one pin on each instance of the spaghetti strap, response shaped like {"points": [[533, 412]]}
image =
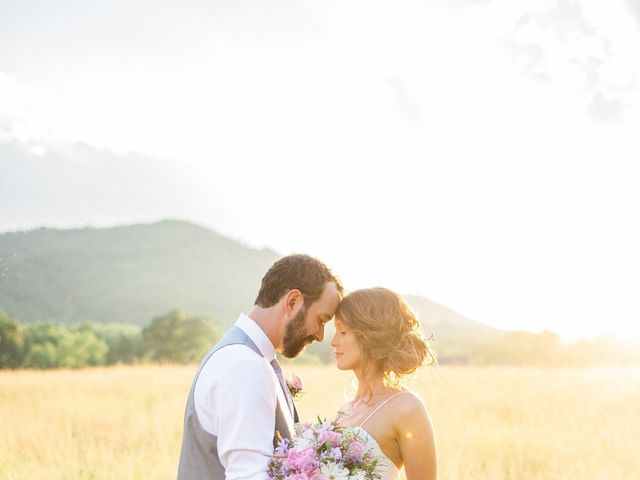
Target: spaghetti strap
{"points": [[380, 406]]}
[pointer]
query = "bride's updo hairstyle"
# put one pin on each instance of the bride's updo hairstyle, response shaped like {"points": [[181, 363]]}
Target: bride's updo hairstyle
{"points": [[387, 331]]}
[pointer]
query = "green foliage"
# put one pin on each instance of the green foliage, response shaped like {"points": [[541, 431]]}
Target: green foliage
{"points": [[41, 355], [123, 341], [50, 346], [177, 337], [11, 341], [174, 337], [81, 348], [42, 333]]}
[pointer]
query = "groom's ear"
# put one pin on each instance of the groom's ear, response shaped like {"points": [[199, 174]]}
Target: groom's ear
{"points": [[292, 297]]}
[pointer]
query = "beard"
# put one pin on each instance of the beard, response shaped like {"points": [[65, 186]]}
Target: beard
{"points": [[295, 338]]}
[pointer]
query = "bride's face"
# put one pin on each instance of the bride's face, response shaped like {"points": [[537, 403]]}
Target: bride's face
{"points": [[347, 350]]}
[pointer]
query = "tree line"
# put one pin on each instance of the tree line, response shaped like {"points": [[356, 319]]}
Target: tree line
{"points": [[176, 337], [173, 337]]}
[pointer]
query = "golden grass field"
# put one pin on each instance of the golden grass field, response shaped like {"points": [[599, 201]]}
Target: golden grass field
{"points": [[491, 423]]}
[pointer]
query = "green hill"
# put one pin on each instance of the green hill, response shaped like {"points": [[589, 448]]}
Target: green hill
{"points": [[131, 274], [127, 274], [455, 337]]}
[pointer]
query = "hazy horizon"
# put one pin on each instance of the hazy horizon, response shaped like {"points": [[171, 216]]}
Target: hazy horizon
{"points": [[565, 338]]}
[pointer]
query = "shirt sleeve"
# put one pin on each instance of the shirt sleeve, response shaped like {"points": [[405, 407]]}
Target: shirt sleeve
{"points": [[244, 420]]}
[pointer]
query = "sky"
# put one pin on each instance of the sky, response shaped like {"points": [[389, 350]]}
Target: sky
{"points": [[484, 154]]}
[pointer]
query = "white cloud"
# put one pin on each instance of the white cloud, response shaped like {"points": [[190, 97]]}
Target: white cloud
{"points": [[587, 49], [18, 118]]}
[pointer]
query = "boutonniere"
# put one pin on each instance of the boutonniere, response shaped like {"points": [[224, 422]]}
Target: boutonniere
{"points": [[295, 386]]}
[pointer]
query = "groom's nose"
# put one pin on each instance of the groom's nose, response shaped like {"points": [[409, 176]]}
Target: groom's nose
{"points": [[320, 333]]}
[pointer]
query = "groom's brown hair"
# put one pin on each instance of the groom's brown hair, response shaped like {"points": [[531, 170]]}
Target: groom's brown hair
{"points": [[298, 271]]}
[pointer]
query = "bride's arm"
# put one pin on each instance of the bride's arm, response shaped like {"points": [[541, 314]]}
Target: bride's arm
{"points": [[415, 437]]}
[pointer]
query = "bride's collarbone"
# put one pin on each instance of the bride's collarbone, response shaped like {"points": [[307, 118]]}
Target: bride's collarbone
{"points": [[381, 405], [381, 425]]}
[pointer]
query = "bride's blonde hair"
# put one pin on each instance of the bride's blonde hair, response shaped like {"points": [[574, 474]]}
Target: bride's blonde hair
{"points": [[387, 331]]}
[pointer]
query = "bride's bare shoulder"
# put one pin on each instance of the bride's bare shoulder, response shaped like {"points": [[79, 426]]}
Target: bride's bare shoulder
{"points": [[408, 405]]}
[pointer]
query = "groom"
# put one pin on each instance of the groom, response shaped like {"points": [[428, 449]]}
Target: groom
{"points": [[239, 397]]}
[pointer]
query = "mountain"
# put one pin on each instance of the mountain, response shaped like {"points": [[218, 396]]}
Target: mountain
{"points": [[127, 274], [454, 336], [133, 273]]}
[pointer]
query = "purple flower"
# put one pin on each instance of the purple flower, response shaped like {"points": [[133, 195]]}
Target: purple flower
{"points": [[283, 446]]}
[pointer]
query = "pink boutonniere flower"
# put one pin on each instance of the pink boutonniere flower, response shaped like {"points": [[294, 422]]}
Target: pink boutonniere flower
{"points": [[295, 386]]}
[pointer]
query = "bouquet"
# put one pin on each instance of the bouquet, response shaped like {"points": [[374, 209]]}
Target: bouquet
{"points": [[323, 451]]}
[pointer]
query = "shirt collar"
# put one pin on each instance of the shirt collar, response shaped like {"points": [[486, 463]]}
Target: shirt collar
{"points": [[257, 336]]}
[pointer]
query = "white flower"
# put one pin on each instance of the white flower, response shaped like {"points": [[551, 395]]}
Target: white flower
{"points": [[334, 471], [324, 426], [305, 439], [336, 453], [302, 443]]}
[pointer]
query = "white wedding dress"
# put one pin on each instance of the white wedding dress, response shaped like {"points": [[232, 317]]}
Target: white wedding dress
{"points": [[386, 468]]}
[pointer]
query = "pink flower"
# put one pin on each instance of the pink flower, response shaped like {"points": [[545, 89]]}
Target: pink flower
{"points": [[296, 382], [329, 436], [356, 450], [304, 461]]}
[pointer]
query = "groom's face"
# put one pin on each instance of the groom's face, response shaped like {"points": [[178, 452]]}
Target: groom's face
{"points": [[308, 324]]}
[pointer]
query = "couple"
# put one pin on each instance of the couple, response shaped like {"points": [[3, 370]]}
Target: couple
{"points": [[239, 398]]}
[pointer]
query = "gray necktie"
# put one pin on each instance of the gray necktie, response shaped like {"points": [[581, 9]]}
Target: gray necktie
{"points": [[283, 384]]}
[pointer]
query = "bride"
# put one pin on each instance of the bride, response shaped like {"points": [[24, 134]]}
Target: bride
{"points": [[377, 337]]}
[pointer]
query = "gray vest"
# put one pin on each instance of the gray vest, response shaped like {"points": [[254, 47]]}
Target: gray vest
{"points": [[199, 454]]}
